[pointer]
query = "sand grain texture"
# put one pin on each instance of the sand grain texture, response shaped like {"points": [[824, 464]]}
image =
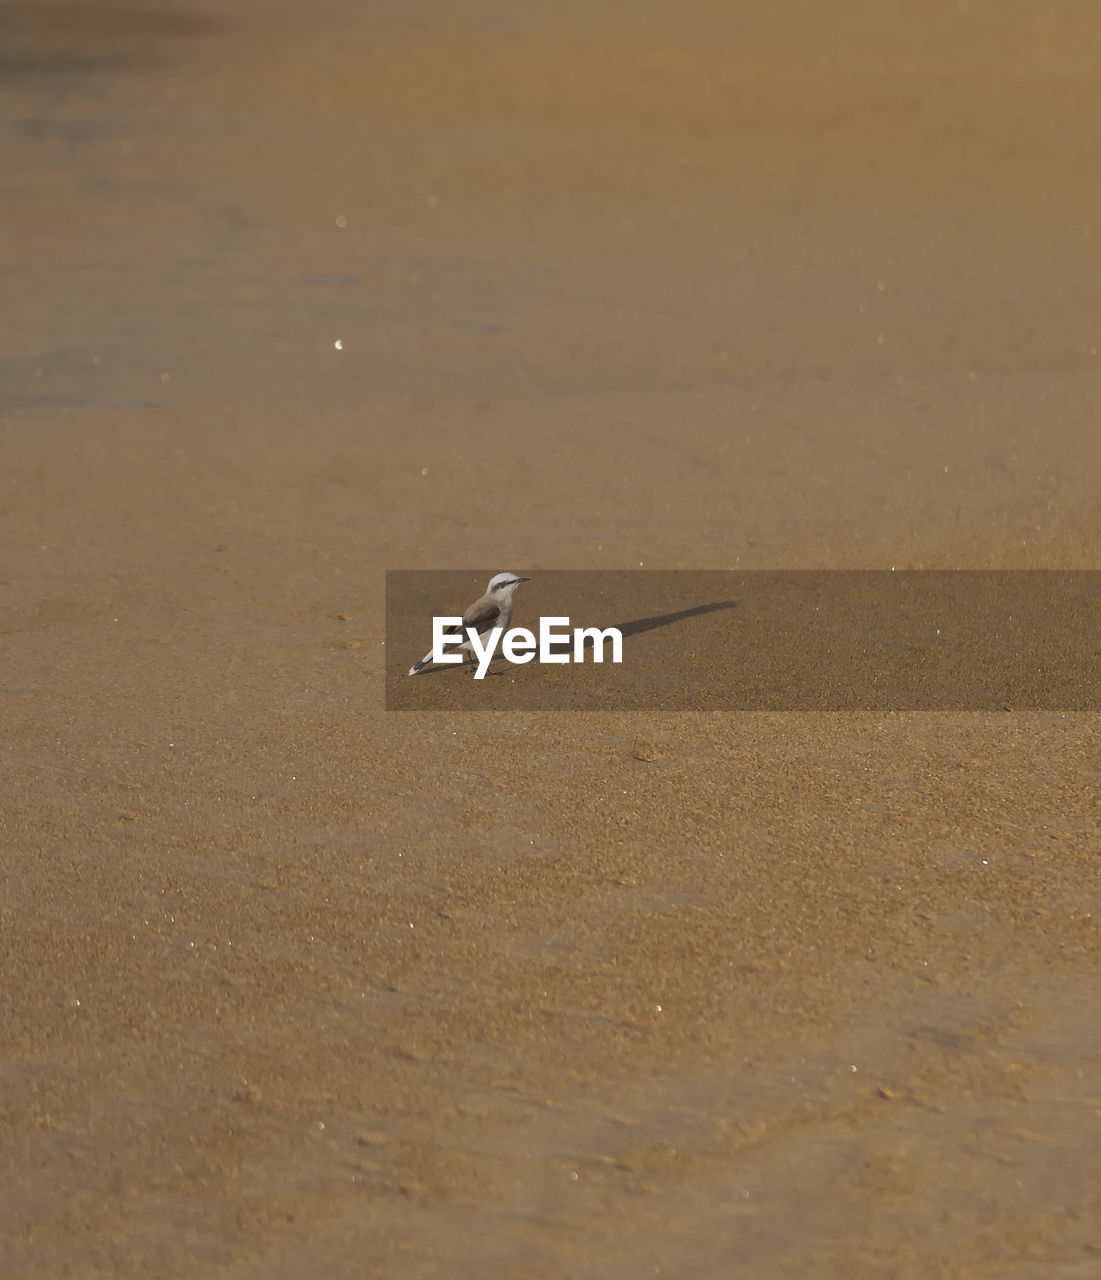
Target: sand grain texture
{"points": [[292, 986]]}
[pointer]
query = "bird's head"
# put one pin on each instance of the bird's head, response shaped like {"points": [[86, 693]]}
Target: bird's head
{"points": [[502, 583]]}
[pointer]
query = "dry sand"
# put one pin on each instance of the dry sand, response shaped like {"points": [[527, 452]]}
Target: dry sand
{"points": [[292, 986]]}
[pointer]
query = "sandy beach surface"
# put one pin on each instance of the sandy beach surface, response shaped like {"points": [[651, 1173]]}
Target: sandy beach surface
{"points": [[296, 293]]}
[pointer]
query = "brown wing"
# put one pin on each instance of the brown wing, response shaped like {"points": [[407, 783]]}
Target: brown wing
{"points": [[481, 615]]}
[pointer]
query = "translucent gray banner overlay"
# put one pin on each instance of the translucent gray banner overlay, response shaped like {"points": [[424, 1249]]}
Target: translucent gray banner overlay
{"points": [[763, 640]]}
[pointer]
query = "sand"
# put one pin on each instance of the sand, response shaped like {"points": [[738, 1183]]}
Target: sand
{"points": [[291, 985]]}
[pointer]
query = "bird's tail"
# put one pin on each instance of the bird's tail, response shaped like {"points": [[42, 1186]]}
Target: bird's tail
{"points": [[420, 666]]}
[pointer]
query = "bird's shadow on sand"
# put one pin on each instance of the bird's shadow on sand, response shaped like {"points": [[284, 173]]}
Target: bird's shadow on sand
{"points": [[639, 625], [633, 628]]}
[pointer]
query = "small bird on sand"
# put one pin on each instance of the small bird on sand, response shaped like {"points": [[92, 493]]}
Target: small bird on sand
{"points": [[494, 609]]}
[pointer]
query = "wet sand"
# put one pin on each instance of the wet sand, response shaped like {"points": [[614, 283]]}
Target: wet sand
{"points": [[291, 985]]}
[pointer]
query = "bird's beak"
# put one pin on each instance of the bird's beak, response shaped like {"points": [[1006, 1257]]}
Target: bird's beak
{"points": [[523, 579]]}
